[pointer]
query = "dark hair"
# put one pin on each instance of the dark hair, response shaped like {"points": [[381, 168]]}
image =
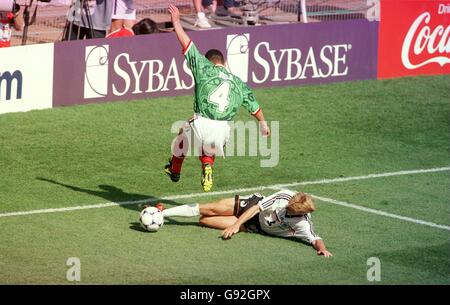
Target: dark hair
{"points": [[16, 8], [215, 56], [145, 26]]}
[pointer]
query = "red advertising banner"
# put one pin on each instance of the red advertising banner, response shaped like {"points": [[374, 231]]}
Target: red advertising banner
{"points": [[414, 38]]}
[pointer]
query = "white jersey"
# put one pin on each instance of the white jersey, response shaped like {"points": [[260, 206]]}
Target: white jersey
{"points": [[124, 9], [274, 221]]}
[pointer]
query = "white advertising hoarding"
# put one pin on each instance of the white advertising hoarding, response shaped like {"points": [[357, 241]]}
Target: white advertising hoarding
{"points": [[26, 78]]}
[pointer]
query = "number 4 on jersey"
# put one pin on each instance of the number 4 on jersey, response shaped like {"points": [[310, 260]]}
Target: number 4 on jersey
{"points": [[220, 96]]}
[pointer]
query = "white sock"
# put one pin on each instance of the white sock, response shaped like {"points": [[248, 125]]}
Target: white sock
{"points": [[201, 15], [185, 210]]}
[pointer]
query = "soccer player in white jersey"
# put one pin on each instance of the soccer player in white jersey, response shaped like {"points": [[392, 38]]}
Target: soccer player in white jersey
{"points": [[283, 214]]}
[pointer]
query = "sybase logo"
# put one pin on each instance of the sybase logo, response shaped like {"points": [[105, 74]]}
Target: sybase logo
{"points": [[96, 74]]}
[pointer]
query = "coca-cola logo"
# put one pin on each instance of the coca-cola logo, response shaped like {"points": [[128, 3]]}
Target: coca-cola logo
{"points": [[423, 41]]}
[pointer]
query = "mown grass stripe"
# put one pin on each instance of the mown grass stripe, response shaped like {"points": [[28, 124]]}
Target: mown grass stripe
{"points": [[240, 190]]}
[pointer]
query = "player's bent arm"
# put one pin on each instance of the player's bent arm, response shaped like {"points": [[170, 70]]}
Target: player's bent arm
{"points": [[230, 231], [319, 246], [250, 103], [265, 130], [181, 34]]}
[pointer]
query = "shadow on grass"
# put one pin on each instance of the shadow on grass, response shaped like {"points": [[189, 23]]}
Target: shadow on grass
{"points": [[126, 200], [112, 193], [137, 227]]}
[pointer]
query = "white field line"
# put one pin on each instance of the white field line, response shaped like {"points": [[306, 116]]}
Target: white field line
{"points": [[381, 213], [241, 190]]}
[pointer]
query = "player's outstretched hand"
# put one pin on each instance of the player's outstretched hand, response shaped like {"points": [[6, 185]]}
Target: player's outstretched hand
{"points": [[230, 231], [174, 13], [265, 130], [324, 253]]}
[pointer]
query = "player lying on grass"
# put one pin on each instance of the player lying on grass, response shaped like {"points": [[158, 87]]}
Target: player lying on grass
{"points": [[283, 214], [218, 96]]}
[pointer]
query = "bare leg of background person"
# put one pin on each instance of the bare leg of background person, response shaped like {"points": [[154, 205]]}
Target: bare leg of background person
{"points": [[117, 24], [202, 21]]}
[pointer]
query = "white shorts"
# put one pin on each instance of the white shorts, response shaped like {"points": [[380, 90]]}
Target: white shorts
{"points": [[124, 9], [204, 137]]}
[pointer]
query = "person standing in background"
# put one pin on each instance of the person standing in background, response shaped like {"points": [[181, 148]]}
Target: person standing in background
{"points": [[88, 19]]}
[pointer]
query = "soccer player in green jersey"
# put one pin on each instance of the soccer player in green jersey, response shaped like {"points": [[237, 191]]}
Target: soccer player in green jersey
{"points": [[218, 96]]}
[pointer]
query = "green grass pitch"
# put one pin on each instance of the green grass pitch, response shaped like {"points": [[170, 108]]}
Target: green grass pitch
{"points": [[114, 152]]}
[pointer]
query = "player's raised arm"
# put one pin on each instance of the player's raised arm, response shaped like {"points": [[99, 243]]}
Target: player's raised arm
{"points": [[181, 34]]}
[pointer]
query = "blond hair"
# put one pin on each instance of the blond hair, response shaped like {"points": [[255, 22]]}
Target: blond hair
{"points": [[301, 203]]}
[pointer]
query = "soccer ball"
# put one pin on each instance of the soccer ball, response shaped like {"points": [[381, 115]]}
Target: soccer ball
{"points": [[151, 219]]}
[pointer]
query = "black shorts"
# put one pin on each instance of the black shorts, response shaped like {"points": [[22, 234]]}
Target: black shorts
{"points": [[242, 204]]}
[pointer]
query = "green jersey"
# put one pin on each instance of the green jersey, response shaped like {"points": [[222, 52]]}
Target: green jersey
{"points": [[218, 93]]}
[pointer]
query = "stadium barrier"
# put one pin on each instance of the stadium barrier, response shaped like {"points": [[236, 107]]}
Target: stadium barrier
{"points": [[26, 78], [152, 66], [420, 43], [77, 72]]}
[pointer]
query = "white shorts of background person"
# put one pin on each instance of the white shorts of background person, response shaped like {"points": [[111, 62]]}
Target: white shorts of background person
{"points": [[124, 15]]}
